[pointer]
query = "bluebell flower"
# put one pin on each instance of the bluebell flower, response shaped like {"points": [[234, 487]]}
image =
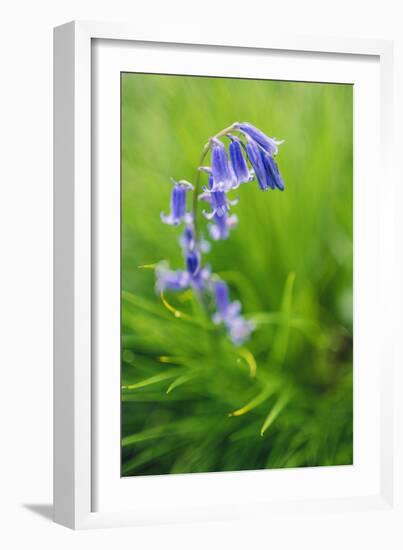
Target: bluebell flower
{"points": [[220, 203], [240, 329], [257, 159], [272, 173], [266, 170], [221, 170], [167, 279], [194, 276], [200, 280], [192, 262], [226, 310], [188, 240], [219, 230], [199, 277], [178, 203], [270, 145], [229, 313], [238, 162]]}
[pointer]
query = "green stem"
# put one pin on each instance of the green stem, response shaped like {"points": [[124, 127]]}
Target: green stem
{"points": [[196, 190]]}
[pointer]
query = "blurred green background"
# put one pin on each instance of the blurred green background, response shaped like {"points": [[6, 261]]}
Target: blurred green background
{"points": [[191, 401]]}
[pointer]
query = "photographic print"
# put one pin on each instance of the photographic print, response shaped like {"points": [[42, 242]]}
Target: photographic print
{"points": [[236, 274]]}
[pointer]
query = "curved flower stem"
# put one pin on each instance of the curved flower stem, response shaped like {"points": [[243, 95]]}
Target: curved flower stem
{"points": [[204, 153], [196, 190]]}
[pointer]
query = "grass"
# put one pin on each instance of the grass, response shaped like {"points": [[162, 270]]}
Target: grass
{"points": [[192, 402]]}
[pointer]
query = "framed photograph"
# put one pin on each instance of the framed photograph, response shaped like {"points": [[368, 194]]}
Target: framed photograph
{"points": [[224, 249]]}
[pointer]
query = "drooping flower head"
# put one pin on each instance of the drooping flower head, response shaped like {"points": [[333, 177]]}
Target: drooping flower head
{"points": [[228, 170], [178, 203]]}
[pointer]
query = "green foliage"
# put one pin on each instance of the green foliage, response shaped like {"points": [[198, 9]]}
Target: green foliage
{"points": [[191, 401]]}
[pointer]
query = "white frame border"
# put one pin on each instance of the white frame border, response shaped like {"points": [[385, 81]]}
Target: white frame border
{"points": [[72, 155], [154, 496]]}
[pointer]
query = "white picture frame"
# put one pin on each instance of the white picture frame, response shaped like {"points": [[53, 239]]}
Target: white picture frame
{"points": [[88, 491]]}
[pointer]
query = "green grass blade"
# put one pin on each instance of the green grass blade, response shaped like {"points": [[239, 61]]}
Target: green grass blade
{"points": [[152, 380], [268, 318], [250, 360], [255, 402], [281, 341], [144, 435], [180, 380], [275, 411]]}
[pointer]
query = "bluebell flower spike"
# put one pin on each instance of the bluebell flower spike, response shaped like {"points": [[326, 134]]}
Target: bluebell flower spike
{"points": [[228, 171]]}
